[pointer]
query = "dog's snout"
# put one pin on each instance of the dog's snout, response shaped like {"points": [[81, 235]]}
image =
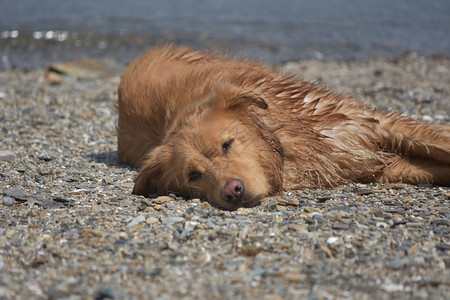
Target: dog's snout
{"points": [[233, 191]]}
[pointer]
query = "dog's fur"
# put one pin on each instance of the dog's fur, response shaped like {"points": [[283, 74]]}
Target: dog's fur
{"points": [[235, 131]]}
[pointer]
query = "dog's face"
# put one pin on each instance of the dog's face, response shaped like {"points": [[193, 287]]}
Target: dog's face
{"points": [[219, 150]]}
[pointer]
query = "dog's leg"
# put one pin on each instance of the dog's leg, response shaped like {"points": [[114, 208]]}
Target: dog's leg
{"points": [[415, 171], [409, 129], [399, 143], [423, 152]]}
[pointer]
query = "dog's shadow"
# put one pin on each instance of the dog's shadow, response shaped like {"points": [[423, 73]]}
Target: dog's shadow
{"points": [[109, 158]]}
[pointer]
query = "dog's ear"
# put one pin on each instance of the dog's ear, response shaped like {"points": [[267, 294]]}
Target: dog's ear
{"points": [[245, 100], [149, 181], [231, 97]]}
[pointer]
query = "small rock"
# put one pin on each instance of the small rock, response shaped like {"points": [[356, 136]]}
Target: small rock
{"points": [[45, 203], [52, 77], [151, 220], [162, 199], [326, 251], [172, 195], [425, 185], [62, 200], [171, 220], [196, 200], [135, 221], [427, 118], [324, 199], [8, 201], [243, 211], [382, 225], [205, 205], [87, 233], [395, 264], [332, 240], [363, 191], [82, 69], [319, 218], [16, 194], [250, 250], [339, 226], [394, 186], [392, 287], [6, 155], [440, 221], [288, 202], [413, 249], [443, 247], [272, 205], [109, 293]]}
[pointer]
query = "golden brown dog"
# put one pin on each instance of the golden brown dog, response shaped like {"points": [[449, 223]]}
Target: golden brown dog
{"points": [[235, 131]]}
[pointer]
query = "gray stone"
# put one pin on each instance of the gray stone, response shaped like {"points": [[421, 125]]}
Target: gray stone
{"points": [[16, 194], [8, 201], [6, 155]]}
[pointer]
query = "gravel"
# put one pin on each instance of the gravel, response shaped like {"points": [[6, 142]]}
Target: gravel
{"points": [[70, 228]]}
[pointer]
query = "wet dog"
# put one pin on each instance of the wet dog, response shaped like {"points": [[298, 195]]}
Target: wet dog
{"points": [[235, 132]]}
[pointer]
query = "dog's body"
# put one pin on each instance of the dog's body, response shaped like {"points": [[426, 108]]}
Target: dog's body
{"points": [[235, 132]]}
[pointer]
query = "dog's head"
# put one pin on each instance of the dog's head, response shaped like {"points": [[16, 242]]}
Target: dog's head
{"points": [[220, 150]]}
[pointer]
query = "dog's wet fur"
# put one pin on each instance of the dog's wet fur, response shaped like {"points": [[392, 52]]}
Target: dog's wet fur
{"points": [[203, 125]]}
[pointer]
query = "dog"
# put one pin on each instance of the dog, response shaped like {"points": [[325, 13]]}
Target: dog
{"points": [[235, 132]]}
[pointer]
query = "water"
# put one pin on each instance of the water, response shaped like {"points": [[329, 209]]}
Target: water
{"points": [[36, 32]]}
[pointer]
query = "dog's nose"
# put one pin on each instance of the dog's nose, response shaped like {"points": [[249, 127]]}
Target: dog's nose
{"points": [[233, 191]]}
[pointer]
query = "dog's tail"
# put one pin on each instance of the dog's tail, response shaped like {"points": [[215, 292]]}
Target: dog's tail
{"points": [[423, 151]]}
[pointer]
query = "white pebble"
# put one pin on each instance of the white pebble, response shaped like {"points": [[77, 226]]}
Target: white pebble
{"points": [[427, 118], [332, 240], [382, 225]]}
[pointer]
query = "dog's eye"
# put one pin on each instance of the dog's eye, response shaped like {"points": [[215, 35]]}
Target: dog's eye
{"points": [[194, 175], [227, 146]]}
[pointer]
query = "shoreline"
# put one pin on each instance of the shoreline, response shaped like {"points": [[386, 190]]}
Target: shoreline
{"points": [[25, 52], [69, 226]]}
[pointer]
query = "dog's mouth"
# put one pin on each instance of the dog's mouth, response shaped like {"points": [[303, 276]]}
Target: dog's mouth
{"points": [[253, 201], [247, 202]]}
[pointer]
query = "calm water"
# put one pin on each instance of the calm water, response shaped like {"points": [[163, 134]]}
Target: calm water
{"points": [[34, 32]]}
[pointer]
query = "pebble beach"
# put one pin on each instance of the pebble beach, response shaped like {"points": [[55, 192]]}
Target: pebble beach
{"points": [[71, 229]]}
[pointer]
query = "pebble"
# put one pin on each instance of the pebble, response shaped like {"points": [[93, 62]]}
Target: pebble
{"points": [[171, 220], [8, 201], [6, 155], [339, 226], [392, 287], [151, 220], [16, 194], [332, 239], [319, 218], [109, 292], [135, 221], [272, 205], [382, 225], [396, 264], [440, 221], [162, 199]]}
